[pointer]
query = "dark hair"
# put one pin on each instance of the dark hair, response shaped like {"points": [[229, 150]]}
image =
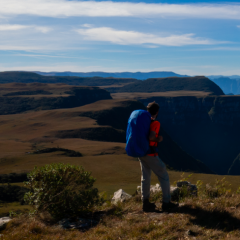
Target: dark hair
{"points": [[153, 108]]}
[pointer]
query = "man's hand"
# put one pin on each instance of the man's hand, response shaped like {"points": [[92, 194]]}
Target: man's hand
{"points": [[160, 138], [153, 138]]}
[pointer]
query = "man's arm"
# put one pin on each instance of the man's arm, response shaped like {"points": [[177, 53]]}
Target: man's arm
{"points": [[152, 137]]}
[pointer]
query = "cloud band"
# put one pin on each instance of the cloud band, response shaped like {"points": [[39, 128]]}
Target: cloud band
{"points": [[64, 8]]}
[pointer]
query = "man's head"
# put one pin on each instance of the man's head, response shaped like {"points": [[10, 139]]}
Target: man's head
{"points": [[153, 108]]}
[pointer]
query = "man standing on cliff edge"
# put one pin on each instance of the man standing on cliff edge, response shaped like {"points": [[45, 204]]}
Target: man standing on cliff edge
{"points": [[142, 140]]}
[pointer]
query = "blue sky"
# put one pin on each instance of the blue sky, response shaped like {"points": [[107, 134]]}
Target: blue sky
{"points": [[187, 37]]}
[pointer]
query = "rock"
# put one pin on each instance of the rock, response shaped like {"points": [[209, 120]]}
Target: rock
{"points": [[192, 188], [156, 188], [183, 183], [81, 223], [4, 221], [174, 191], [121, 196]]}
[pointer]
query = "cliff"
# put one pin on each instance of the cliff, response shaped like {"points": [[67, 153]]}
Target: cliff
{"points": [[205, 127], [17, 98], [117, 117]]}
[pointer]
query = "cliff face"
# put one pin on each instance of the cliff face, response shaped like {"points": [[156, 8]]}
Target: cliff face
{"points": [[207, 128], [212, 109], [117, 117], [17, 99]]}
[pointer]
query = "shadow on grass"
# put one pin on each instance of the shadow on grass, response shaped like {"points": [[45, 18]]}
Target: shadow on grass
{"points": [[211, 219]]}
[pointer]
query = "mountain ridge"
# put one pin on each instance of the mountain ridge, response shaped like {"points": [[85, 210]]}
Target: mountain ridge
{"points": [[136, 75]]}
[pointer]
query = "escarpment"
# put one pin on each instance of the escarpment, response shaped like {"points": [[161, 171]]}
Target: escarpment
{"points": [[17, 98], [205, 127]]}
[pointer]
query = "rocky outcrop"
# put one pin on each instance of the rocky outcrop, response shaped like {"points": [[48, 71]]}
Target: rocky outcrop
{"points": [[4, 221], [120, 196], [183, 187]]}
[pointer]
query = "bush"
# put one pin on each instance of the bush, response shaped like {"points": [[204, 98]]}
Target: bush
{"points": [[61, 189]]}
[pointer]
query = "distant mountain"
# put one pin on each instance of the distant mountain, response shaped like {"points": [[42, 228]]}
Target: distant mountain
{"points": [[220, 76], [227, 84], [137, 75], [30, 77], [199, 83]]}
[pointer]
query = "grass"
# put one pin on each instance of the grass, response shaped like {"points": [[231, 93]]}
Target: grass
{"points": [[201, 217], [6, 208]]}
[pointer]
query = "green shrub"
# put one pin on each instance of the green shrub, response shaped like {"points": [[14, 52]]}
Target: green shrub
{"points": [[220, 188], [61, 189]]}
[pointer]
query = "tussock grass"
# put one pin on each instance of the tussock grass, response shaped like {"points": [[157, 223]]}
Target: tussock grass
{"points": [[203, 217]]}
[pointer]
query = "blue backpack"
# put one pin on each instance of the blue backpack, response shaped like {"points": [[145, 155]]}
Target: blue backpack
{"points": [[137, 142]]}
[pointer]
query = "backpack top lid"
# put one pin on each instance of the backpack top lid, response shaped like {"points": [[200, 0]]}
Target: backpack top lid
{"points": [[137, 142]]}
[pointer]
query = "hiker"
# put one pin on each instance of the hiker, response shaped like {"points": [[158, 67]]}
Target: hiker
{"points": [[142, 140]]}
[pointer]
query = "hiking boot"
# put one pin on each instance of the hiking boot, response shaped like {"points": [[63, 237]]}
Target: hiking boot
{"points": [[168, 206], [148, 207]]}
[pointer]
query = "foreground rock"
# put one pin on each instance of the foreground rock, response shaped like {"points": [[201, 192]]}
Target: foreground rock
{"points": [[121, 196], [81, 223], [175, 191], [156, 189], [4, 221]]}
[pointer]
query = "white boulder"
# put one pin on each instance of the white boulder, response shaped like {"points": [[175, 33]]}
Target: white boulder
{"points": [[121, 196], [4, 221]]}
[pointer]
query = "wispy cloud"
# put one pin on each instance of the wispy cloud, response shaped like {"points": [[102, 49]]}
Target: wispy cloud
{"points": [[87, 25], [21, 48], [65, 8], [238, 26], [137, 38], [16, 27]]}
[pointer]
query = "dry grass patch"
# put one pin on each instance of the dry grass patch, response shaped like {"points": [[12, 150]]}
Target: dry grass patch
{"points": [[197, 218]]}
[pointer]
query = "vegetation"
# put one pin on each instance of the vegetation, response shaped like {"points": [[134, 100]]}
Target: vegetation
{"points": [[61, 189], [13, 177], [205, 216], [12, 193]]}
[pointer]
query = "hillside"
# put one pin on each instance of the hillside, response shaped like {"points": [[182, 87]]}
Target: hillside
{"points": [[172, 84], [137, 75], [30, 77], [20, 97]]}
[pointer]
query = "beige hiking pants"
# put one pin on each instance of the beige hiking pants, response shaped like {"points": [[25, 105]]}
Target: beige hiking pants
{"points": [[155, 164]]}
